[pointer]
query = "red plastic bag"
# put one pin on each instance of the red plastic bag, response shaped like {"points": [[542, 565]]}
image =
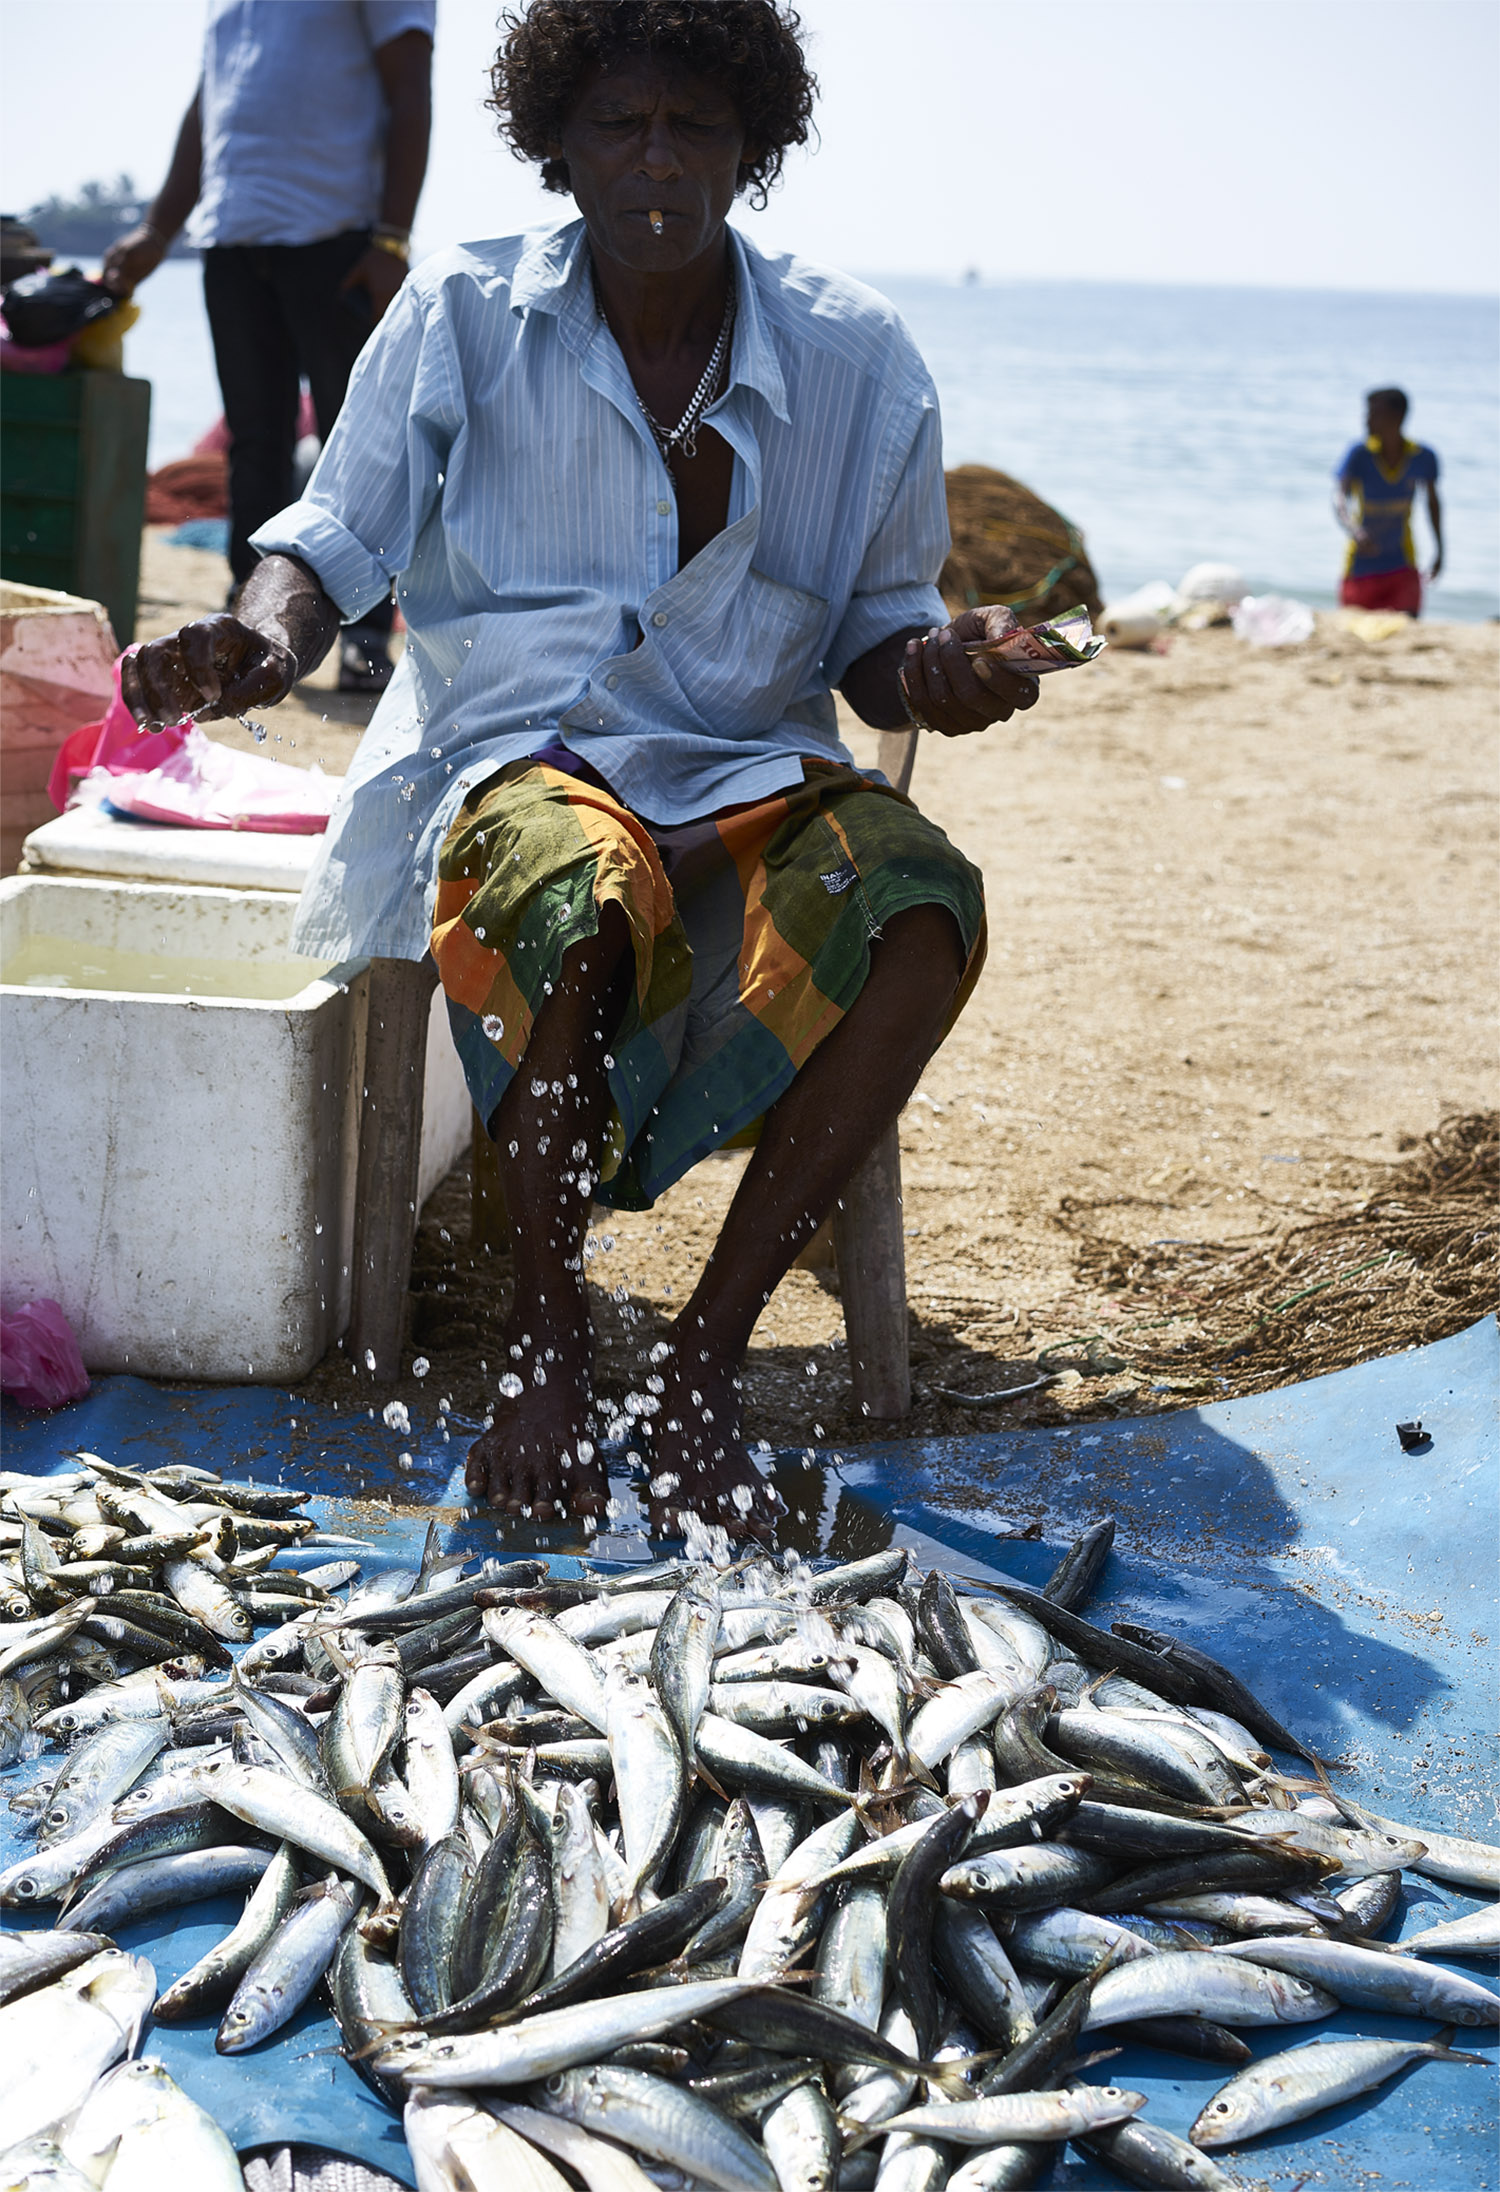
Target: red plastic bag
{"points": [[40, 1366]]}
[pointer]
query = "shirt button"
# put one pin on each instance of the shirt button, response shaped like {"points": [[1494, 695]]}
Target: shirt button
{"points": [[611, 682], [664, 509], [660, 618]]}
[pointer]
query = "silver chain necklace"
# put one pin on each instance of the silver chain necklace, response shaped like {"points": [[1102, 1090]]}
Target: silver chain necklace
{"points": [[684, 435]]}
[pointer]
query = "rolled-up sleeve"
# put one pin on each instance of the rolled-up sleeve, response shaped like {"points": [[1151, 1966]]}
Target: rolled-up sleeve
{"points": [[381, 469], [897, 582]]}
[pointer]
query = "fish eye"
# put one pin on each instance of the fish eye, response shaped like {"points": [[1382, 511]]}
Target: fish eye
{"points": [[1221, 2108]]}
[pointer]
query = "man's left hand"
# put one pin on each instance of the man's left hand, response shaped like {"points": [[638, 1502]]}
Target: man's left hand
{"points": [[379, 274], [958, 693]]}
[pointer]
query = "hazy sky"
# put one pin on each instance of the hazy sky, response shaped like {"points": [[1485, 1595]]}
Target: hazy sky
{"points": [[1323, 143]]}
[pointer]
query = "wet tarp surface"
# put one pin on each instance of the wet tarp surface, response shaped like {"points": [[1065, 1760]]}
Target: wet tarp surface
{"points": [[1352, 1584]]}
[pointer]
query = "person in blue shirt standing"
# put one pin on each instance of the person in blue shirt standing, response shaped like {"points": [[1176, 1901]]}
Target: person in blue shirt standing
{"points": [[301, 159], [1377, 485], [650, 496]]}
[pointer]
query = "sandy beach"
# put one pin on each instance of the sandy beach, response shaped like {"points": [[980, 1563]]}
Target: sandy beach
{"points": [[1242, 912]]}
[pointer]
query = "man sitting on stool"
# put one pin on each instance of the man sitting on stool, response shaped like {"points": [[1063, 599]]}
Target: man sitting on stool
{"points": [[647, 496]]}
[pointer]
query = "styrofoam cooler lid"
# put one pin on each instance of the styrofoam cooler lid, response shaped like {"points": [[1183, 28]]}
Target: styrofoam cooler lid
{"points": [[87, 841]]}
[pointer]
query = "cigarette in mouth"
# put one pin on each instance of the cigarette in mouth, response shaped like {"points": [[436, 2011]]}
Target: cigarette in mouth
{"points": [[658, 224]]}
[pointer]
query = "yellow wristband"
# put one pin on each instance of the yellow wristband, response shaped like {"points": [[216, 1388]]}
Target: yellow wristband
{"points": [[397, 250]]}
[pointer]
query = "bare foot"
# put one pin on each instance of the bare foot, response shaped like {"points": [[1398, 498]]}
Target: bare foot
{"points": [[537, 1458], [700, 1463]]}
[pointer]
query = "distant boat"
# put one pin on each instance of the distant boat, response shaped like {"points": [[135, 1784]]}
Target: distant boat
{"points": [[971, 277]]}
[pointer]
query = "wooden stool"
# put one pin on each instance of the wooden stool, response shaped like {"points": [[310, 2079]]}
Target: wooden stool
{"points": [[869, 1240]]}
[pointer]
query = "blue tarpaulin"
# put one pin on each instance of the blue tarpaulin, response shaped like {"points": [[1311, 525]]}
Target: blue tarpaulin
{"points": [[1352, 1584]]}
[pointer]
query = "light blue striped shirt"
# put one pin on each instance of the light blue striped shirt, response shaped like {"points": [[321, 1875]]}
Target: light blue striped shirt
{"points": [[492, 460]]}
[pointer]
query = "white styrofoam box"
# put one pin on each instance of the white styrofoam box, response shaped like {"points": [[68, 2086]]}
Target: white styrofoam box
{"points": [[87, 841], [178, 1171]]}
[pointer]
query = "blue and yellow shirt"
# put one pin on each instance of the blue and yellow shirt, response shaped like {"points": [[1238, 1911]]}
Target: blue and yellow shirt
{"points": [[1384, 501]]}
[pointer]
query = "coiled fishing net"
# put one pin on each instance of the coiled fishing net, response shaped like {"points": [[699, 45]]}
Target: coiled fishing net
{"points": [[1415, 1261], [1009, 546]]}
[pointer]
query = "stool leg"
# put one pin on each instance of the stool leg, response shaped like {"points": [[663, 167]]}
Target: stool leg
{"points": [[872, 1281], [390, 1150]]}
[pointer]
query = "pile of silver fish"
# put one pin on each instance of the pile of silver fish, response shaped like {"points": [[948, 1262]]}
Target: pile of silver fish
{"points": [[725, 1871]]}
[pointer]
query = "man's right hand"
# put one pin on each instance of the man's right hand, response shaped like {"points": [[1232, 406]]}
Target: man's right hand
{"points": [[131, 257], [214, 667]]}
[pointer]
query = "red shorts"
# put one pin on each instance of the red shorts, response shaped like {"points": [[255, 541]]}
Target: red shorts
{"points": [[1384, 590]]}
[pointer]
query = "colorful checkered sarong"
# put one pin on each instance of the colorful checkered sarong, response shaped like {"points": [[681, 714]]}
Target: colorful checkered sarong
{"points": [[751, 931]]}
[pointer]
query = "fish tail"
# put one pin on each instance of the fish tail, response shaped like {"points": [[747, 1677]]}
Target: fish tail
{"points": [[1441, 2049], [860, 2135], [952, 2078]]}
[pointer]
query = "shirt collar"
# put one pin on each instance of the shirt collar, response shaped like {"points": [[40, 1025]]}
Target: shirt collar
{"points": [[552, 275]]}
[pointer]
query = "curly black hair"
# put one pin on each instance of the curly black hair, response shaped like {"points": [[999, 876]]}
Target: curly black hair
{"points": [[752, 47]]}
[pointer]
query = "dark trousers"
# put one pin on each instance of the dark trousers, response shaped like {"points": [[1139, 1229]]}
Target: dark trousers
{"points": [[276, 312]]}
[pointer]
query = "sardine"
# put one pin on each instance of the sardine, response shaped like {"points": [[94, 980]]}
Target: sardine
{"points": [[290, 1965], [1282, 2089]]}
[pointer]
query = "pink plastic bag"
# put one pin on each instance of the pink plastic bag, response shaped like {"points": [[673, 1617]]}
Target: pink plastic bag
{"points": [[181, 775], [117, 743], [40, 1366], [206, 786]]}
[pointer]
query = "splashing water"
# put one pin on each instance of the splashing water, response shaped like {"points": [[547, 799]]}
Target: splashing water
{"points": [[494, 1027], [395, 1417], [510, 1385], [707, 1541]]}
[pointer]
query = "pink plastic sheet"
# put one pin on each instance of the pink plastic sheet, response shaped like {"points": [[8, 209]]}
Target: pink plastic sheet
{"points": [[182, 776]]}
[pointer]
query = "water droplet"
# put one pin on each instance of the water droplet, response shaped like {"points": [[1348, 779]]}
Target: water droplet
{"points": [[420, 1367], [394, 1416], [511, 1386], [494, 1027]]}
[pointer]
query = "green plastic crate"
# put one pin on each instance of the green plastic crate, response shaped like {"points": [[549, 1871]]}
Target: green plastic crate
{"points": [[73, 486]]}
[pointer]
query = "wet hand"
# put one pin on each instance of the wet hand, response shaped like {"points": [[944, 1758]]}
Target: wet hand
{"points": [[958, 693], [214, 667]]}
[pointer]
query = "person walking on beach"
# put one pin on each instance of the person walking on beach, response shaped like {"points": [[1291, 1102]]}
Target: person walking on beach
{"points": [[1376, 486], [651, 496], [303, 152]]}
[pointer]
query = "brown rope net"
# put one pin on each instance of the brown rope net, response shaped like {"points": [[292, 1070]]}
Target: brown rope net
{"points": [[1009, 546], [1415, 1261]]}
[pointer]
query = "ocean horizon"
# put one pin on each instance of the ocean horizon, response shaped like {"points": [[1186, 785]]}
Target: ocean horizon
{"points": [[1171, 424]]}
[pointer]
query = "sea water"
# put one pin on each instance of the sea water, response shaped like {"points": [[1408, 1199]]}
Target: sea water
{"points": [[65, 962], [1172, 425]]}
